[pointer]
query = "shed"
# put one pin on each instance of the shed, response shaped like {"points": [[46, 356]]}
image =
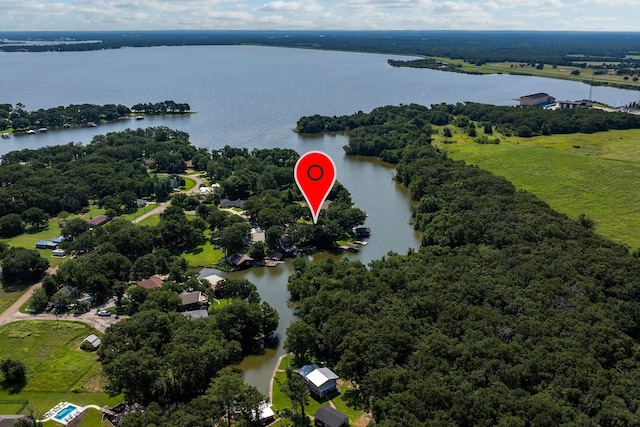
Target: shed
{"points": [[58, 239], [45, 244], [60, 253], [93, 340], [326, 416]]}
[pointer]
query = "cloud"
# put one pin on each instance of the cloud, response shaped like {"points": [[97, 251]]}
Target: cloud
{"points": [[290, 6], [318, 14]]}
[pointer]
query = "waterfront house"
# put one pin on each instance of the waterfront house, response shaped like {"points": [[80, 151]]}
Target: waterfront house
{"points": [[321, 381], [240, 261]]}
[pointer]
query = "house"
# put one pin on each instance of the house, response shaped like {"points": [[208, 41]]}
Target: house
{"points": [[226, 203], [141, 203], [10, 420], [240, 261], [98, 221], [326, 416], [45, 244], [58, 239], [152, 282], [321, 381], [536, 99], [93, 340], [192, 301]]}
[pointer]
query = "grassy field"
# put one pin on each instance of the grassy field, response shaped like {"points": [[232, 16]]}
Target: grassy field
{"points": [[561, 72], [57, 370], [589, 174]]}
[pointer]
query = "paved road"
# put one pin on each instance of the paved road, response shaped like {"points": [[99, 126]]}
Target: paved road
{"points": [[162, 206]]}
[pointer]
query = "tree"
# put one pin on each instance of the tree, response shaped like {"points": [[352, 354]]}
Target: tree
{"points": [[226, 391], [75, 227], [302, 340], [232, 237], [35, 217], [296, 389], [11, 225], [24, 266], [13, 371]]}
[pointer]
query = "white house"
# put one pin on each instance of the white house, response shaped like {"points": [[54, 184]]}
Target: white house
{"points": [[321, 381]]}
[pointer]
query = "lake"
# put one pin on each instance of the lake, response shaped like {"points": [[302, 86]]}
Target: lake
{"points": [[249, 96]]}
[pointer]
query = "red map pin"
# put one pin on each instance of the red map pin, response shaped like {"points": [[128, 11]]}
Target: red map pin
{"points": [[315, 174]]}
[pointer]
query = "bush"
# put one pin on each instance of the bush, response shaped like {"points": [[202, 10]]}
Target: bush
{"points": [[13, 371]]}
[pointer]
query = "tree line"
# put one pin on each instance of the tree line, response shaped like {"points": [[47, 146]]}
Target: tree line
{"points": [[508, 120], [509, 314], [19, 119], [477, 47]]}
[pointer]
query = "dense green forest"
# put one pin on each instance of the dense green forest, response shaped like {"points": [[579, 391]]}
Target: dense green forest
{"points": [[20, 119], [510, 313], [67, 177], [475, 46]]}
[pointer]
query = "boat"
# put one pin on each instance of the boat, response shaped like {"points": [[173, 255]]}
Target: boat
{"points": [[92, 124], [6, 135], [42, 130], [31, 132], [139, 117]]}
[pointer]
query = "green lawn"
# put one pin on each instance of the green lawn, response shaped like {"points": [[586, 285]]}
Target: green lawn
{"points": [[151, 221], [575, 174], [203, 256], [57, 370], [189, 184], [133, 215]]}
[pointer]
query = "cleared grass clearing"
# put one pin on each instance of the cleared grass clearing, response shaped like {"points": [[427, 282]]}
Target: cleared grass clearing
{"points": [[561, 72], [57, 370], [594, 174]]}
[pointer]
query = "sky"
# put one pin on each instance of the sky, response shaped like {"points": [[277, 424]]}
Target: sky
{"points": [[548, 15]]}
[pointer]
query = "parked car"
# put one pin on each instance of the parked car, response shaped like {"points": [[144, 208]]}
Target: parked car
{"points": [[104, 313]]}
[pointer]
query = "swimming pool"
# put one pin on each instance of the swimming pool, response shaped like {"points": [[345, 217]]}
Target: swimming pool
{"points": [[64, 412]]}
